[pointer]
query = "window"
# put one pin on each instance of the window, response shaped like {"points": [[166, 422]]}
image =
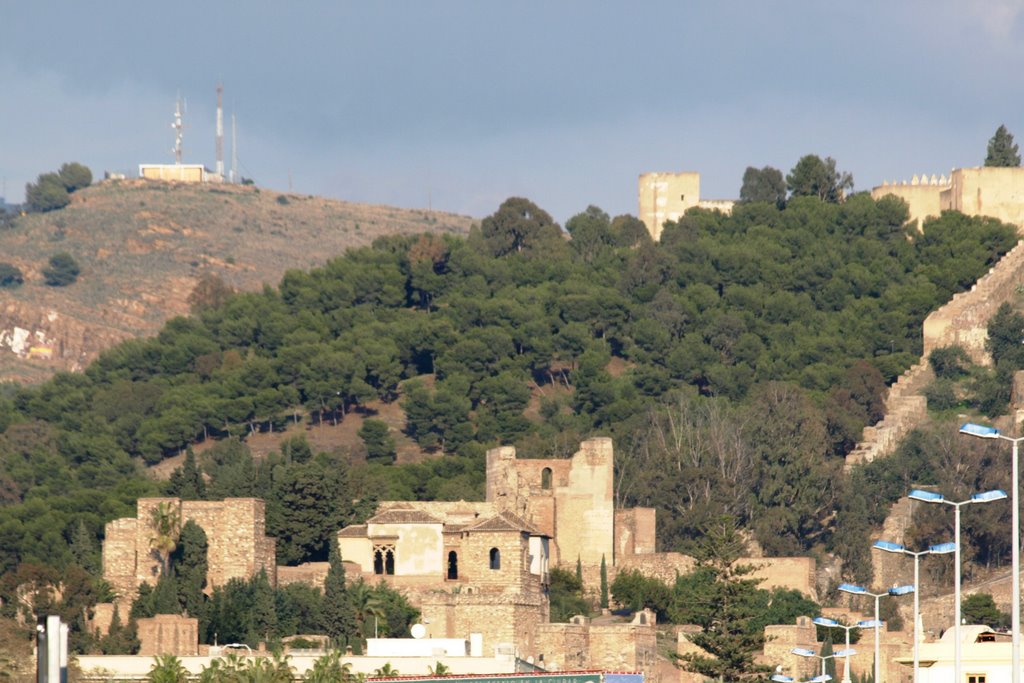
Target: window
{"points": [[453, 565], [545, 478], [976, 678], [495, 558], [384, 559]]}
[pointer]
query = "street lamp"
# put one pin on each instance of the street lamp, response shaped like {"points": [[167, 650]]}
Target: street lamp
{"points": [[825, 622], [940, 549], [860, 590], [983, 432], [932, 497], [811, 653]]}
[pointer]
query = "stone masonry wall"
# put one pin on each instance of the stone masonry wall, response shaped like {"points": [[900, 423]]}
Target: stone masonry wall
{"points": [[962, 321], [168, 634], [237, 545]]}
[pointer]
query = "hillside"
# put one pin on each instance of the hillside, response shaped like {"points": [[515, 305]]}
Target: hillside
{"points": [[143, 246]]}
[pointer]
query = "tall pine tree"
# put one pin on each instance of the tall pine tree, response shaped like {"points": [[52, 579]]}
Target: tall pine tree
{"points": [[1001, 150]]}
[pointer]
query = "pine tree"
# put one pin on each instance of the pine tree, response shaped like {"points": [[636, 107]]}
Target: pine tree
{"points": [[339, 620], [1001, 150], [579, 569], [725, 611], [604, 584]]}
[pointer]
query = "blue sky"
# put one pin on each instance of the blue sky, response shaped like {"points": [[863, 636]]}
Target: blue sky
{"points": [[462, 104]]}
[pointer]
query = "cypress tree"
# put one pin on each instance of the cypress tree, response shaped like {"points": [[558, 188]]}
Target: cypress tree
{"points": [[339, 619], [604, 584]]}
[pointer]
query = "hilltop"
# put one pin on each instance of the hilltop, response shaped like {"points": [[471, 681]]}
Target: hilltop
{"points": [[144, 245]]}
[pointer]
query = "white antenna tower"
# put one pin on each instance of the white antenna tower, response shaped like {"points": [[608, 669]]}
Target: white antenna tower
{"points": [[179, 128], [234, 151], [220, 133]]}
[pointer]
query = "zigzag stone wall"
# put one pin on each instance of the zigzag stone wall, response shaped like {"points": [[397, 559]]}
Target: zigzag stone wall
{"points": [[962, 321]]}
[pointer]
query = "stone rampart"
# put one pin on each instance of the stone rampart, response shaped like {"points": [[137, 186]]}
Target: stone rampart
{"points": [[962, 322], [168, 634], [237, 545]]}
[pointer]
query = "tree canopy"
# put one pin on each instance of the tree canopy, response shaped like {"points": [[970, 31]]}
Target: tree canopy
{"points": [[763, 185], [814, 177], [1001, 149]]}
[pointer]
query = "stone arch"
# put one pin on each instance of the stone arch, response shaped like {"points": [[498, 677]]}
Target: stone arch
{"points": [[545, 478]]}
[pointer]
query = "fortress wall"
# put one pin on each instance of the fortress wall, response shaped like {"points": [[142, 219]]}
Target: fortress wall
{"points": [[923, 200], [119, 558], [168, 634], [989, 191], [634, 532], [311, 573], [625, 647], [785, 572], [962, 321], [586, 514], [500, 618], [565, 646], [780, 639]]}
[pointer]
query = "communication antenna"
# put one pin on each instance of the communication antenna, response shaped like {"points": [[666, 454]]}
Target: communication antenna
{"points": [[179, 129], [234, 151], [220, 132]]}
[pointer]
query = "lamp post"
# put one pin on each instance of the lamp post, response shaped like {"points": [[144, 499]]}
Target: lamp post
{"points": [[932, 497], [825, 622], [811, 653], [983, 432], [789, 679], [940, 549], [860, 590]]}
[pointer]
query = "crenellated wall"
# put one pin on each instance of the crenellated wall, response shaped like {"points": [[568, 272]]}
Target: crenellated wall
{"points": [[962, 321]]}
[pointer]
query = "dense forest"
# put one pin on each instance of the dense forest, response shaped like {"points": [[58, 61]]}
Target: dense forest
{"points": [[735, 363]]}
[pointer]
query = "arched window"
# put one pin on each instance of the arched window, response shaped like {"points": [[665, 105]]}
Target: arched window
{"points": [[453, 565], [545, 478], [495, 558], [384, 560]]}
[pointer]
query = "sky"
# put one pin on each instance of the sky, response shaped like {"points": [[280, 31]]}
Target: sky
{"points": [[457, 105]]}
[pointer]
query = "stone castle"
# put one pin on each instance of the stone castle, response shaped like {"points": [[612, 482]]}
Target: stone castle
{"points": [[478, 567], [985, 191]]}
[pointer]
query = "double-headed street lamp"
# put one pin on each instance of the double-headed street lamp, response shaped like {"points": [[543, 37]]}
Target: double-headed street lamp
{"points": [[860, 590], [811, 653], [825, 622], [940, 549], [984, 432], [932, 497]]}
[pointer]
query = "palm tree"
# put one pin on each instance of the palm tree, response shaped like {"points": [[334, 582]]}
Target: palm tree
{"points": [[167, 669], [439, 669], [386, 671], [365, 605], [330, 669], [165, 523]]}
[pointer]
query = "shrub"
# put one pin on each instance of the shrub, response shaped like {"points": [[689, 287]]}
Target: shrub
{"points": [[63, 270], [941, 395], [10, 275], [949, 362]]}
